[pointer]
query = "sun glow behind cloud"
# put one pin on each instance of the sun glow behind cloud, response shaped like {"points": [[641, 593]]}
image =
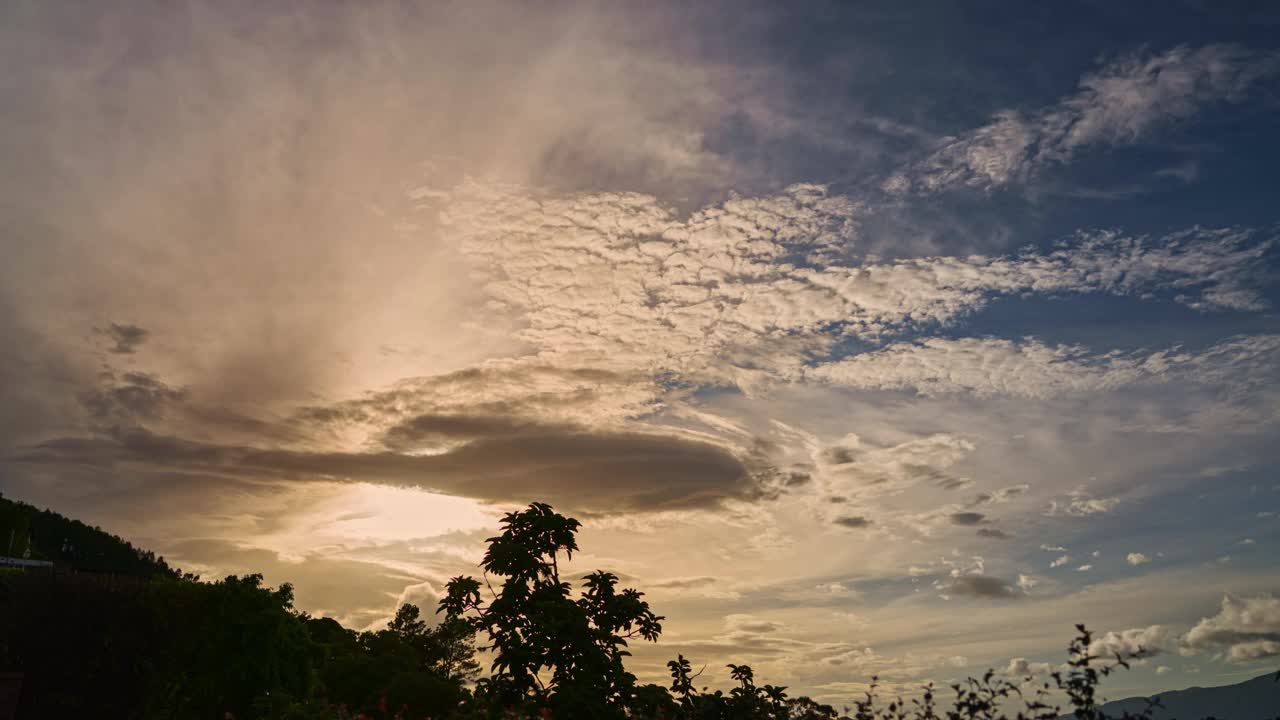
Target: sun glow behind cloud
{"points": [[364, 513]]}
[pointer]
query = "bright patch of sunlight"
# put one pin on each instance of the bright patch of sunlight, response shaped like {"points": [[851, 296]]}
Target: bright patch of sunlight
{"points": [[364, 512]]}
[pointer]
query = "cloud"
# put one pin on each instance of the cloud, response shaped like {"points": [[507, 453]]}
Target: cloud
{"points": [[618, 280], [426, 595], [744, 623], [699, 586], [1187, 171], [127, 338], [1084, 568], [853, 521], [744, 292], [1116, 105], [1060, 561], [983, 586], [514, 392], [645, 471], [1029, 368], [1137, 642], [685, 583], [1022, 668], [1248, 627], [993, 533], [1136, 558], [1080, 503], [855, 468], [130, 399], [967, 518], [1002, 495], [368, 594]]}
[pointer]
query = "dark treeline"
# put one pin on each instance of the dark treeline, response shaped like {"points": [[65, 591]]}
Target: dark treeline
{"points": [[137, 639], [27, 532]]}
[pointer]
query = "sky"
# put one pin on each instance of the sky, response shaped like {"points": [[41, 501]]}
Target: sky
{"points": [[865, 338]]}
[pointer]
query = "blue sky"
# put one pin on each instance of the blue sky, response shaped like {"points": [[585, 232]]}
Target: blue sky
{"points": [[835, 322]]}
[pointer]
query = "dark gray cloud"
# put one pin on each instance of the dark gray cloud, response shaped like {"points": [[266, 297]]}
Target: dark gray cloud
{"points": [[594, 472], [952, 483], [433, 428], [496, 397], [983, 586], [127, 337], [999, 496], [133, 396], [837, 455], [685, 583], [993, 533], [968, 518], [853, 521], [796, 478]]}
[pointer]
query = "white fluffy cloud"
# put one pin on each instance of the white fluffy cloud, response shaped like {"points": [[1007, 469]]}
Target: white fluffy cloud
{"points": [[1247, 627], [1080, 503], [1136, 558], [1148, 641], [1023, 668]]}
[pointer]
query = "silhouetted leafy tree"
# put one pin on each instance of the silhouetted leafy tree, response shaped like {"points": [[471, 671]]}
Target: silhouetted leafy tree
{"points": [[551, 650], [447, 650]]}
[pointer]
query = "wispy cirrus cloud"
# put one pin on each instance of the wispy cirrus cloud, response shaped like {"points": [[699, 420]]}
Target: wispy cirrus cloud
{"points": [[1118, 104]]}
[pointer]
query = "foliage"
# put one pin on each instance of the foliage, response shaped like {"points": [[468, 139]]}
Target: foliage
{"points": [[551, 650], [161, 645], [46, 535], [166, 648]]}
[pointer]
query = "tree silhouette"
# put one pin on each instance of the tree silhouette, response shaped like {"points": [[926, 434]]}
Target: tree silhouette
{"points": [[160, 645], [551, 650]]}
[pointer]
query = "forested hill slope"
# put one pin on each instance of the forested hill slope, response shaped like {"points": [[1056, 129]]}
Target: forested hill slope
{"points": [[26, 531]]}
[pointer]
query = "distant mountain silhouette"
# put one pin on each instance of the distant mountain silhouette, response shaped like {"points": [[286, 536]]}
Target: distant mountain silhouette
{"points": [[1256, 699]]}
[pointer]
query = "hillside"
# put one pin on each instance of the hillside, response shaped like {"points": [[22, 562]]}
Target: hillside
{"points": [[26, 531], [1256, 699]]}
